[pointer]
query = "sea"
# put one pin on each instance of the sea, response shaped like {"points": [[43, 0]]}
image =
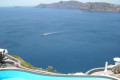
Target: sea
{"points": [[70, 40]]}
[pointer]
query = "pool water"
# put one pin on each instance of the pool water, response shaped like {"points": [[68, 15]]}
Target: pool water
{"points": [[20, 75]]}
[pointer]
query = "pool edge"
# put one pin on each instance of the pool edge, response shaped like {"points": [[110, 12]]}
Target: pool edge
{"points": [[61, 75]]}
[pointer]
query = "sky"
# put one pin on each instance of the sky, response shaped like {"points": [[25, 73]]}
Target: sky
{"points": [[36, 2]]}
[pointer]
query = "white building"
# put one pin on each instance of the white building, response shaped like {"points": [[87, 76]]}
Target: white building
{"points": [[117, 61], [4, 51], [3, 54]]}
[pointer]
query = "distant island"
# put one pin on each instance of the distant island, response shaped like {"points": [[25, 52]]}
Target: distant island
{"points": [[89, 6]]}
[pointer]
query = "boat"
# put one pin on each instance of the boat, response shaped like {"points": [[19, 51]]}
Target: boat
{"points": [[43, 34]]}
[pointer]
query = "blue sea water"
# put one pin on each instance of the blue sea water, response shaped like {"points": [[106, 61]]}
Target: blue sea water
{"points": [[76, 42]]}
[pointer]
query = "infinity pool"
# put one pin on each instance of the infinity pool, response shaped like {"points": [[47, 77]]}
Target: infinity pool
{"points": [[20, 75]]}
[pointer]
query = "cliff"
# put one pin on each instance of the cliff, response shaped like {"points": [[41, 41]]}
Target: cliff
{"points": [[89, 6]]}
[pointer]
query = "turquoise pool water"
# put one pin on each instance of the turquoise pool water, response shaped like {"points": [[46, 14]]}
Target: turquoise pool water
{"points": [[20, 75]]}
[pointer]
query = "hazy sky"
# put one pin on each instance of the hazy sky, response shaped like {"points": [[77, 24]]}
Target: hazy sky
{"points": [[36, 2]]}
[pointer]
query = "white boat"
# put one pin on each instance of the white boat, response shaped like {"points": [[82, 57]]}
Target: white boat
{"points": [[43, 34]]}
